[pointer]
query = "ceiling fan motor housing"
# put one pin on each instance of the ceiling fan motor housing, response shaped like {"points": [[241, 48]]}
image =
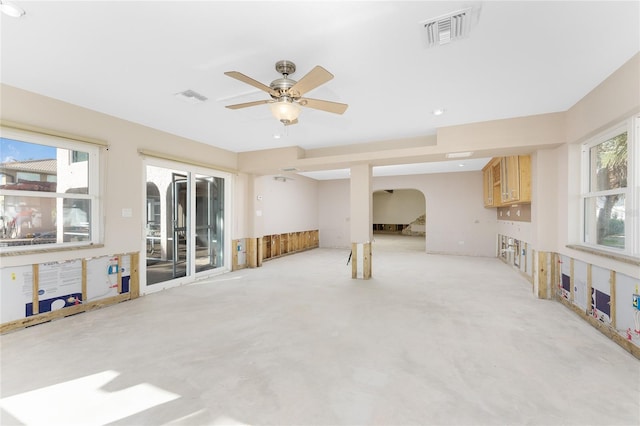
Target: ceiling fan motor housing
{"points": [[282, 85]]}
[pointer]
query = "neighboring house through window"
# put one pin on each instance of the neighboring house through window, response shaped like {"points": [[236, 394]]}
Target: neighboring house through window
{"points": [[48, 192]]}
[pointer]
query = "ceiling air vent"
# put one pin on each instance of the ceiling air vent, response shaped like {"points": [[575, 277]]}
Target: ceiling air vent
{"points": [[191, 97], [447, 28]]}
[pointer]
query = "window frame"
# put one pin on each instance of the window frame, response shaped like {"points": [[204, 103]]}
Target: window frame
{"points": [[94, 187], [631, 192]]}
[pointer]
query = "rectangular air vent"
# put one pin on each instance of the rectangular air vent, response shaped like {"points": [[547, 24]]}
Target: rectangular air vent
{"points": [[191, 97], [447, 28]]}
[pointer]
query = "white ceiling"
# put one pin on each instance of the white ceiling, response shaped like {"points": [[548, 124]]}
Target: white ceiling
{"points": [[128, 59]]}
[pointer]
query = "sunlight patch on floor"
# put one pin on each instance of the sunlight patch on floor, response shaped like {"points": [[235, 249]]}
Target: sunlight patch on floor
{"points": [[83, 402]]}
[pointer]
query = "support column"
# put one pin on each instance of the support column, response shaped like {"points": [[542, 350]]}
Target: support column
{"points": [[361, 221]]}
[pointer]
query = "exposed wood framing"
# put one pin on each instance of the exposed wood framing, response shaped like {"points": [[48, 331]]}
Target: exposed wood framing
{"points": [[605, 329], [236, 248], [35, 300], [84, 279], [283, 244], [38, 318], [119, 274], [134, 277], [572, 295], [252, 253], [612, 298], [354, 262], [589, 289], [61, 313], [366, 260], [543, 277], [259, 252]]}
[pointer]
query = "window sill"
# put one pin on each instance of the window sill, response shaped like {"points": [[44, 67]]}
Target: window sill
{"points": [[615, 256], [50, 250]]}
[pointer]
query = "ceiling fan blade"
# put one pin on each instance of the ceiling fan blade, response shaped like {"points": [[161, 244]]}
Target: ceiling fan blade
{"points": [[248, 104], [243, 78], [310, 81], [328, 106], [290, 123]]}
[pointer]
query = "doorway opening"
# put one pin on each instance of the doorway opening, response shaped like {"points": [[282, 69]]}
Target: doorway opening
{"points": [[399, 219]]}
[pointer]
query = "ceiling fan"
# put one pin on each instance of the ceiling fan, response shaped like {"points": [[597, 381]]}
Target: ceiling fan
{"points": [[286, 93]]}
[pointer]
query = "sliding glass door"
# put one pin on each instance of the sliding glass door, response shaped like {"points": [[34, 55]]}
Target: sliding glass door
{"points": [[209, 220], [185, 223]]}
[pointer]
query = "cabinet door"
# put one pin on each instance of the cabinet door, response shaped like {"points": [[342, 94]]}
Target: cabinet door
{"points": [[510, 179], [487, 180]]}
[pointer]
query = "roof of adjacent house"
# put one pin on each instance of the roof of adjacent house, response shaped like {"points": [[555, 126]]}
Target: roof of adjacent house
{"points": [[47, 166]]}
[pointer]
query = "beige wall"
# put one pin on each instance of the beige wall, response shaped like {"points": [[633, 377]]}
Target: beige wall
{"points": [[616, 98], [289, 206], [334, 213], [457, 222], [123, 174]]}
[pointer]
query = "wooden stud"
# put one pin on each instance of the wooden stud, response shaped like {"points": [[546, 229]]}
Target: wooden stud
{"points": [[572, 292], [275, 245], [234, 255], [252, 253], [542, 275], [354, 260], [589, 289], [612, 298], [35, 300], [553, 266], [260, 253], [134, 280], [119, 274], [366, 261], [84, 280]]}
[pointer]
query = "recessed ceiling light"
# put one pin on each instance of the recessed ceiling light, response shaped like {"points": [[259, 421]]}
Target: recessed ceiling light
{"points": [[460, 165], [276, 136], [438, 111], [459, 154], [11, 9]]}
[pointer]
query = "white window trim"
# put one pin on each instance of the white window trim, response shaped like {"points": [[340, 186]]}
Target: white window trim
{"points": [[95, 187], [631, 192]]}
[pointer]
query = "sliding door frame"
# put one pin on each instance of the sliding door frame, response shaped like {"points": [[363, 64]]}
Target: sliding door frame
{"points": [[192, 171]]}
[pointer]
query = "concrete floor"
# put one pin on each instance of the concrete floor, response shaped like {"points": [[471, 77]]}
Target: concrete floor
{"points": [[430, 340]]}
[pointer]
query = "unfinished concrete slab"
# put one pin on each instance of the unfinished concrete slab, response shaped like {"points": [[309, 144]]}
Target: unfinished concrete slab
{"points": [[430, 339]]}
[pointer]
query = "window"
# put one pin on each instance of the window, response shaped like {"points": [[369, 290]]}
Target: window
{"points": [[610, 191], [48, 191]]}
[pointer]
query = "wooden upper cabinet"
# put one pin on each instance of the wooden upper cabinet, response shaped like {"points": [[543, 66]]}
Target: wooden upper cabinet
{"points": [[491, 183], [507, 180], [487, 185]]}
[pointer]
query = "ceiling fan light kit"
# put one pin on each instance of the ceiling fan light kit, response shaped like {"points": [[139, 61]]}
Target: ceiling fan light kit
{"points": [[286, 93], [285, 111]]}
